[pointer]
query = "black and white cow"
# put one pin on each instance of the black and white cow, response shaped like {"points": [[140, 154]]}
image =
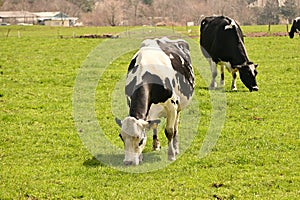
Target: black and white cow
{"points": [[222, 43], [159, 83], [295, 27]]}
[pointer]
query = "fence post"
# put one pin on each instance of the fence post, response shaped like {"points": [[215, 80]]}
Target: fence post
{"points": [[8, 31]]}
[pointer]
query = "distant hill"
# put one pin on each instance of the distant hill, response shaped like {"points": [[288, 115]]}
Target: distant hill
{"points": [[163, 12], [46, 5]]}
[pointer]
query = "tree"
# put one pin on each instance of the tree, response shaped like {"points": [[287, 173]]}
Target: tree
{"points": [[84, 5], [289, 10], [107, 13], [147, 2], [270, 13], [250, 1], [136, 12], [113, 10]]}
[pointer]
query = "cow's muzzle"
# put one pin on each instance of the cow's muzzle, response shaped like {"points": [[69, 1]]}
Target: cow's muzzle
{"points": [[255, 88], [134, 160], [128, 163]]}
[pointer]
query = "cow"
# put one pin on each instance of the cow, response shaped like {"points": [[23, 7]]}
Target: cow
{"points": [[295, 27], [159, 83], [222, 43]]}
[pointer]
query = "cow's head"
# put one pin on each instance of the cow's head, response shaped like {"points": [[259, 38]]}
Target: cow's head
{"points": [[134, 138], [295, 27], [248, 75], [291, 34]]}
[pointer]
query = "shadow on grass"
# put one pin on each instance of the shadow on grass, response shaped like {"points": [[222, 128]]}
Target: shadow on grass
{"points": [[93, 162], [116, 161], [216, 89], [222, 89]]}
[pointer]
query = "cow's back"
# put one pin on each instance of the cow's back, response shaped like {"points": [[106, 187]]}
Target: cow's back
{"points": [[165, 65]]}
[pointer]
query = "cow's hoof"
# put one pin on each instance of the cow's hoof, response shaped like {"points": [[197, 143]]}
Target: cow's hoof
{"points": [[156, 145], [234, 89], [255, 88], [155, 148], [213, 86], [171, 158], [171, 154], [128, 163]]}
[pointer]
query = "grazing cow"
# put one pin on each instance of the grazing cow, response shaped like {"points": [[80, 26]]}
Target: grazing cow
{"points": [[159, 83], [222, 43], [295, 27]]}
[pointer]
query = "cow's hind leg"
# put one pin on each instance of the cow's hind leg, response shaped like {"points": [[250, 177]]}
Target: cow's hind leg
{"points": [[171, 150], [171, 106], [222, 80], [175, 138], [214, 73], [233, 85], [156, 143]]}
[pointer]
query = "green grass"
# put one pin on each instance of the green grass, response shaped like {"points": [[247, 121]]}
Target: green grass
{"points": [[42, 156], [265, 28], [47, 31]]}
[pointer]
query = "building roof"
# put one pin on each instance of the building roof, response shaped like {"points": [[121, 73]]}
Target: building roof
{"points": [[51, 15], [7, 14], [41, 16], [16, 14]]}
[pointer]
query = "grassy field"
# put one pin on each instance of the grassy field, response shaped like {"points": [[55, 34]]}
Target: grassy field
{"points": [[42, 156]]}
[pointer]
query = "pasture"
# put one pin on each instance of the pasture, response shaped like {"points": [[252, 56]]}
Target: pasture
{"points": [[42, 156]]}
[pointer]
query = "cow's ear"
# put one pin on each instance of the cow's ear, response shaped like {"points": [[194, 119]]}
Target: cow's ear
{"points": [[144, 124], [256, 65], [119, 122], [153, 124]]}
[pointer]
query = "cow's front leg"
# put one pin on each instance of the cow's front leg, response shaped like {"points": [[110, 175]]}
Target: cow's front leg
{"points": [[171, 107], [170, 132], [233, 85], [222, 80], [214, 73], [175, 138], [156, 143]]}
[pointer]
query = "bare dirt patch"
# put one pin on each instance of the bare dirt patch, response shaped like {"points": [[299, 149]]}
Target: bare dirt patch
{"points": [[267, 34]]}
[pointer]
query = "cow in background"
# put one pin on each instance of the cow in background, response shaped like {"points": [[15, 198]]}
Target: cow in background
{"points": [[295, 27], [222, 43], [159, 83]]}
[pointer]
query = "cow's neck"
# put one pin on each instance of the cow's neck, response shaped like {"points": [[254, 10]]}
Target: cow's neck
{"points": [[140, 103], [242, 55]]}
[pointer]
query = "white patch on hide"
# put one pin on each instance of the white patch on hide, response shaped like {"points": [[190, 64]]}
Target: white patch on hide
{"points": [[231, 25]]}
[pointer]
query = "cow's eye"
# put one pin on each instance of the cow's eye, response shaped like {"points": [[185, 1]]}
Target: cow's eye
{"points": [[141, 142], [121, 137]]}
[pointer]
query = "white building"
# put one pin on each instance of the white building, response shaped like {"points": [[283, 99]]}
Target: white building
{"points": [[40, 18], [55, 19], [17, 17]]}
